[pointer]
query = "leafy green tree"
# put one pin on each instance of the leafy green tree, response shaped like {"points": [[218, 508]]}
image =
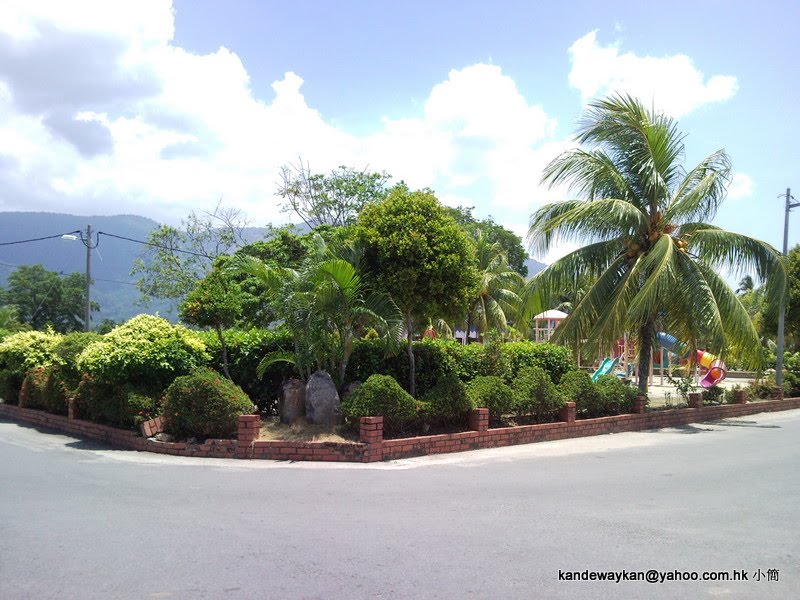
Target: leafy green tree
{"points": [[9, 319], [43, 298], [215, 302], [335, 199], [656, 259], [793, 298], [417, 253], [510, 242]]}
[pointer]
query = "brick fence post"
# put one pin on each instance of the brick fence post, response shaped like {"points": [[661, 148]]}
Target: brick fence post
{"points": [[696, 400], [739, 397], [248, 429], [567, 412], [70, 408], [370, 432], [479, 419], [638, 404]]}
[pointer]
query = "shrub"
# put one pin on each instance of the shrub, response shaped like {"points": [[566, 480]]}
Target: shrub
{"points": [[67, 349], [370, 357], [577, 387], [713, 395], [21, 352], [556, 361], [145, 350], [447, 403], [381, 395], [488, 391], [246, 349], [119, 406], [31, 393], [204, 405], [56, 392], [537, 396], [615, 396]]}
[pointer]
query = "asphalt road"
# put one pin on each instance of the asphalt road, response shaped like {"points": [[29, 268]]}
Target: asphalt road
{"points": [[81, 521]]}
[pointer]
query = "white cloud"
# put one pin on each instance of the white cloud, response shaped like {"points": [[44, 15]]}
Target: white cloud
{"points": [[155, 129], [672, 83], [741, 186]]}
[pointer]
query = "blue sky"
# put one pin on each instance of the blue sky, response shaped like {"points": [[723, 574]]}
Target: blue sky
{"points": [[157, 109]]}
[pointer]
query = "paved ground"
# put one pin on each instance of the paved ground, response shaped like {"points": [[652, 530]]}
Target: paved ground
{"points": [[81, 521]]}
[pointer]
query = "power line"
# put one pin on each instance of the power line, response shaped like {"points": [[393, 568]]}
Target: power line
{"points": [[114, 281], [122, 237], [47, 237]]}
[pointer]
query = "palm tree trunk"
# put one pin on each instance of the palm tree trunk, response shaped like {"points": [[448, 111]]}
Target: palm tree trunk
{"points": [[412, 381], [646, 335]]}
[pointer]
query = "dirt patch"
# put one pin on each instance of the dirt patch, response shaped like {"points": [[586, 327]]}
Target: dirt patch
{"points": [[300, 431]]}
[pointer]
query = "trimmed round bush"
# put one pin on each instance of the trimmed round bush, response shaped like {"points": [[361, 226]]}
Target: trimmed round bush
{"points": [[578, 387], [204, 405], [489, 391], [616, 396], [447, 403], [537, 396], [381, 395], [146, 350]]}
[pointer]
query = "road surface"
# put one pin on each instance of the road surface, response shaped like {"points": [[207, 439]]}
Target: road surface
{"points": [[81, 521]]}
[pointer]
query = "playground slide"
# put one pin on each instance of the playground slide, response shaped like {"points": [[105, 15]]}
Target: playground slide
{"points": [[716, 370], [608, 365]]}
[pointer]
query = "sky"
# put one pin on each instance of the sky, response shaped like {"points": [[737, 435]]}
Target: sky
{"points": [[160, 108]]}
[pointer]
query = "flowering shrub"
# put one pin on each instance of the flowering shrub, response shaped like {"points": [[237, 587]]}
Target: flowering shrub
{"points": [[204, 405], [146, 350]]}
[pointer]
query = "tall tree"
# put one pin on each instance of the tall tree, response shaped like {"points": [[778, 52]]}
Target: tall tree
{"points": [[178, 257], [510, 242], [334, 199], [496, 299], [416, 252], [43, 298], [656, 259]]}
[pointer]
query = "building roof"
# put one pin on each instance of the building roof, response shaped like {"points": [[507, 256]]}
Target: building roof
{"points": [[552, 315]]}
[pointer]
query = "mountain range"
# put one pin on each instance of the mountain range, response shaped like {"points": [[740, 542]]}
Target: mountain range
{"points": [[111, 261]]}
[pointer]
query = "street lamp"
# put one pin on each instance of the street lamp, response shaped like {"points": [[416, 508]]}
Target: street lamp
{"points": [[782, 311], [87, 241]]}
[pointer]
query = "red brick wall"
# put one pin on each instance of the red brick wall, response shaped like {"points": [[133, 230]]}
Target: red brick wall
{"points": [[374, 448]]}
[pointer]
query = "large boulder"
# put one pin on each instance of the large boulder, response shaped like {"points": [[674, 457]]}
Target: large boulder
{"points": [[293, 401], [322, 400]]}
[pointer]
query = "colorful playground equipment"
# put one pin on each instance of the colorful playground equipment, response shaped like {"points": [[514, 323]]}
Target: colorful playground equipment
{"points": [[716, 368], [606, 367]]}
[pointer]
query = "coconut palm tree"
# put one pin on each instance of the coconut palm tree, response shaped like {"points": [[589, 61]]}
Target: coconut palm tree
{"points": [[643, 218], [496, 299]]}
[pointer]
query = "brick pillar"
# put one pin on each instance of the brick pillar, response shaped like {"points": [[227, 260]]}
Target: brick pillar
{"points": [[567, 412], [479, 419], [248, 429], [638, 404], [696, 400], [70, 408], [739, 397], [370, 432]]}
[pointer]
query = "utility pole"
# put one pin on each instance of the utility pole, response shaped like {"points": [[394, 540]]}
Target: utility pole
{"points": [[782, 311], [87, 309]]}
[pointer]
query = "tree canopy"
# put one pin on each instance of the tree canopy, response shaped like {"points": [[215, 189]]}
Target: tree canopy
{"points": [[45, 298], [644, 220], [416, 252]]}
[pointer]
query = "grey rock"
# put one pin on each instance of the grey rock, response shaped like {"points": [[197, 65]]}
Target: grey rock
{"points": [[163, 437], [293, 401], [322, 400], [350, 388]]}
